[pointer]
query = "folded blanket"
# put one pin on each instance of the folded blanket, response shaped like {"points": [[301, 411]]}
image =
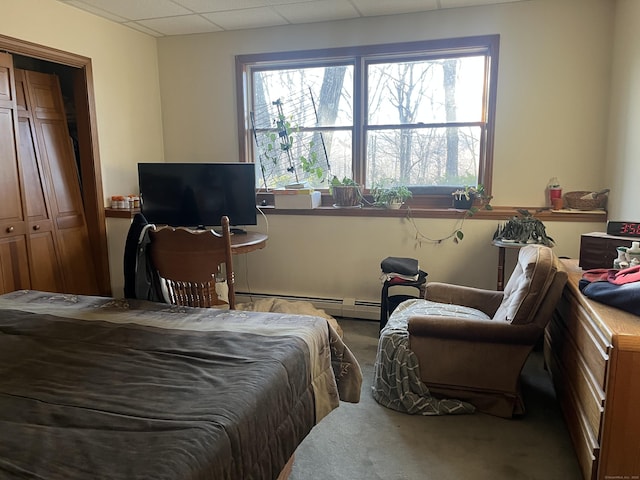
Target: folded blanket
{"points": [[625, 296], [628, 275], [613, 275], [400, 265]]}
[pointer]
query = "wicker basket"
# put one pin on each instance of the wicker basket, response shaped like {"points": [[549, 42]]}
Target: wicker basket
{"points": [[574, 200]]}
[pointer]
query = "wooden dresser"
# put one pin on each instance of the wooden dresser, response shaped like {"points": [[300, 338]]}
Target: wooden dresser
{"points": [[593, 353]]}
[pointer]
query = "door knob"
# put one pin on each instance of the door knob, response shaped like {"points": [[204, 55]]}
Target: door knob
{"points": [[10, 229]]}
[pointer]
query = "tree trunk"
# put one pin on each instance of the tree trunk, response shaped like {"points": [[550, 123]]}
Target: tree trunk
{"points": [[327, 109], [450, 68]]}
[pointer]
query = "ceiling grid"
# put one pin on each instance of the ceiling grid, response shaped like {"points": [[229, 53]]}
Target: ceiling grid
{"points": [[161, 18]]}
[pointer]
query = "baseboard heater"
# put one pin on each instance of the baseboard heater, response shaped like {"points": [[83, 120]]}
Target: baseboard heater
{"points": [[346, 307]]}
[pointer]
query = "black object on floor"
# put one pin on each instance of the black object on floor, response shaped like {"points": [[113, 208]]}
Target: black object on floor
{"points": [[389, 303]]}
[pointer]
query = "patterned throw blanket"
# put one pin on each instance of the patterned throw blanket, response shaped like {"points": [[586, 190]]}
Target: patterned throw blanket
{"points": [[396, 382]]}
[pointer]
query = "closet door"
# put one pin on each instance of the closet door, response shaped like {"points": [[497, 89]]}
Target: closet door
{"points": [[14, 263], [43, 253], [57, 200]]}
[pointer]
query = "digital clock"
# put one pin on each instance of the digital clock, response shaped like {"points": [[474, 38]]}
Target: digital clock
{"points": [[623, 229]]}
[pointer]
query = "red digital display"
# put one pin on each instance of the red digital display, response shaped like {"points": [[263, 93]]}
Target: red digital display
{"points": [[624, 229], [630, 228]]}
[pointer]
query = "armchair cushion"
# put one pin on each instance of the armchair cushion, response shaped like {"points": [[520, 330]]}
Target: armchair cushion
{"points": [[473, 330], [485, 301], [528, 284]]}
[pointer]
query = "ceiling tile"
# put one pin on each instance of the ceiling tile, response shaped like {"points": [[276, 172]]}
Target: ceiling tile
{"points": [[176, 17], [471, 3], [317, 11], [273, 3], [248, 18], [138, 9], [95, 10], [140, 28], [376, 7], [183, 25], [207, 6]]}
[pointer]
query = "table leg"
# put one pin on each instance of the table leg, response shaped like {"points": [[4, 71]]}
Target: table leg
{"points": [[501, 255]]}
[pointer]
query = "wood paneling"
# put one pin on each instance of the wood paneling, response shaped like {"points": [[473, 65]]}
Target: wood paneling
{"points": [[43, 233], [45, 274], [60, 250], [80, 70], [14, 266]]}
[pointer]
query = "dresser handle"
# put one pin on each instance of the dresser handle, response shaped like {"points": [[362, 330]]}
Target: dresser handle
{"points": [[36, 227], [10, 229]]}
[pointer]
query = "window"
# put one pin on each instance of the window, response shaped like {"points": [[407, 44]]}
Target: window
{"points": [[419, 113]]}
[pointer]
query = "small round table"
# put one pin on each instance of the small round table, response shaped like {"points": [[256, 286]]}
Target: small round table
{"points": [[502, 246]]}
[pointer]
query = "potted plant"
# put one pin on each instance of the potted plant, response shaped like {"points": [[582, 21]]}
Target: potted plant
{"points": [[523, 229], [471, 198], [392, 196], [345, 192]]}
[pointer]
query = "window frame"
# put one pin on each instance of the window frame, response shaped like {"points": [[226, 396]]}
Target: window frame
{"points": [[360, 57]]}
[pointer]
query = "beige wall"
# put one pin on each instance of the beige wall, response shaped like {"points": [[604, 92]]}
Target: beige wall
{"points": [[552, 116], [127, 91], [623, 159]]}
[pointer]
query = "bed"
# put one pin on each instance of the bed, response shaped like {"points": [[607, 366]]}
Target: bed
{"points": [[94, 387]]}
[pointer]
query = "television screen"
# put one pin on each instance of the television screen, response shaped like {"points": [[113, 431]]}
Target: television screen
{"points": [[198, 194]]}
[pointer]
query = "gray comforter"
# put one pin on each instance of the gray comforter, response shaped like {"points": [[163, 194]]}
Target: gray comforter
{"points": [[100, 388]]}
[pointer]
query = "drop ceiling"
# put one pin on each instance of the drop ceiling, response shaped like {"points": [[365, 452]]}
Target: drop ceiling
{"points": [[182, 17]]}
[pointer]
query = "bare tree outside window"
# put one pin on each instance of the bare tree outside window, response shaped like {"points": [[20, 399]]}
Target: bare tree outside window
{"points": [[410, 108]]}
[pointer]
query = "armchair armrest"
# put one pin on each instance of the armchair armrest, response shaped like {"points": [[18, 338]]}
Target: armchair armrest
{"points": [[473, 330], [486, 301]]}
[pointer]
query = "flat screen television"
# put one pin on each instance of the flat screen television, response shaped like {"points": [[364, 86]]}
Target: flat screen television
{"points": [[198, 194]]}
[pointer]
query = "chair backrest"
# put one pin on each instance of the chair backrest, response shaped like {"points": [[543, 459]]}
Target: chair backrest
{"points": [[535, 285], [195, 266]]}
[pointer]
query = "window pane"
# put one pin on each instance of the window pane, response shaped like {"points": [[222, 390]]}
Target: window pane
{"points": [[303, 157], [429, 91], [425, 156], [321, 96], [290, 109]]}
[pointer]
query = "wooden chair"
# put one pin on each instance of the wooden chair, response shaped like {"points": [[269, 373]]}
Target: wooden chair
{"points": [[190, 261]]}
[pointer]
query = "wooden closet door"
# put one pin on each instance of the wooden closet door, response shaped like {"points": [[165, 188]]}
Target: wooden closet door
{"points": [[44, 262], [14, 263], [48, 149]]}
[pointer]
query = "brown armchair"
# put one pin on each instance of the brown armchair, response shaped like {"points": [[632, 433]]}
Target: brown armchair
{"points": [[478, 359]]}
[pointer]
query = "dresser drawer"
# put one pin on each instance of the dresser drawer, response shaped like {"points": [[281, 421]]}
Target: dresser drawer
{"points": [[578, 377], [589, 340], [584, 438]]}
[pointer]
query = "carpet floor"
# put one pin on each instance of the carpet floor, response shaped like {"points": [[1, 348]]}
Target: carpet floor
{"points": [[367, 441]]}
